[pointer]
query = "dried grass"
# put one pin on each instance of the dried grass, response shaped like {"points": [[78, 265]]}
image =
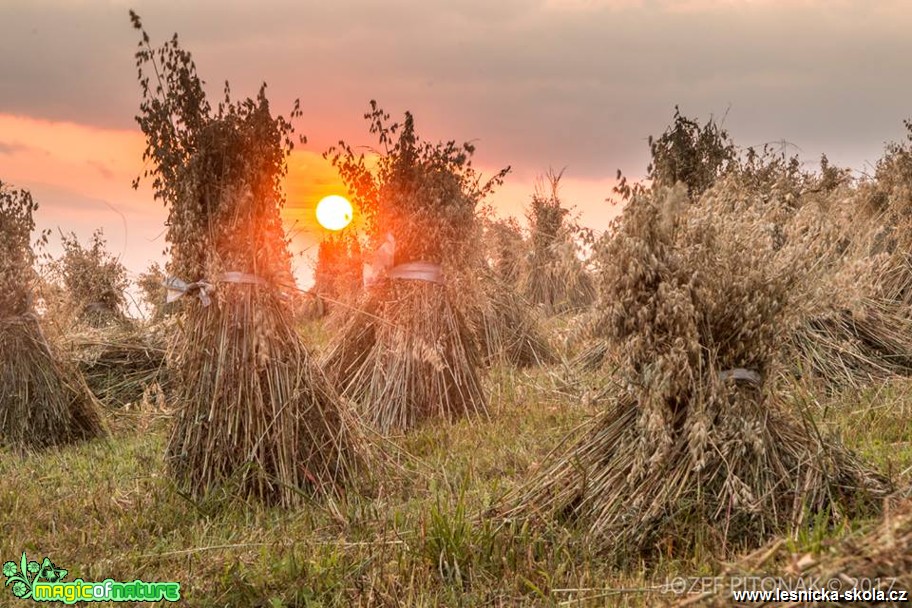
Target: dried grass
{"points": [[119, 363], [593, 356], [686, 457], [406, 356], [43, 400], [555, 276], [853, 327], [505, 250], [95, 282], [844, 349], [878, 557], [509, 330], [253, 413]]}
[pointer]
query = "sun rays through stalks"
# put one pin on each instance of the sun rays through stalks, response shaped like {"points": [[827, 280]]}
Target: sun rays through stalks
{"points": [[408, 354], [252, 413]]}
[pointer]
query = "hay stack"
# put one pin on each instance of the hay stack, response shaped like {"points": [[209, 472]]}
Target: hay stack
{"points": [[120, 363], [862, 331], [409, 355], [844, 348], [555, 277], [853, 328], [253, 414], [43, 402], [509, 330], [95, 282], [505, 250], [698, 451], [406, 356]]}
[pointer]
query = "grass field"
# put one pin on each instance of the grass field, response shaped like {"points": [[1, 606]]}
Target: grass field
{"points": [[421, 538]]}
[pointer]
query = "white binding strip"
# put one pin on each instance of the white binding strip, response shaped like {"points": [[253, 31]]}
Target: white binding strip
{"points": [[739, 373], [417, 271], [241, 277], [178, 288]]}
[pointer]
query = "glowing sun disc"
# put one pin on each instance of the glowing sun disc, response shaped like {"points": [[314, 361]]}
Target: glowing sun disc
{"points": [[334, 212]]}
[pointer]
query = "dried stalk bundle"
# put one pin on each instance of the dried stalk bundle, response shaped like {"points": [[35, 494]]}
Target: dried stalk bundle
{"points": [[43, 402], [699, 448], [856, 327], [120, 363], [878, 558], [505, 250], [861, 330], [407, 356], [252, 412], [886, 199], [555, 277], [95, 283], [846, 349], [593, 356], [852, 327], [509, 329], [256, 414]]}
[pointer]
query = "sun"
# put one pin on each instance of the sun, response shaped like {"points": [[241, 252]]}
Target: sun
{"points": [[334, 212]]}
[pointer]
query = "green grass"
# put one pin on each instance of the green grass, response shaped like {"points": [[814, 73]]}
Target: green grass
{"points": [[108, 510]]}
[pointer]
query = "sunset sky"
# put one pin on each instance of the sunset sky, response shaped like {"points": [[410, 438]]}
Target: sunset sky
{"points": [[538, 84]]}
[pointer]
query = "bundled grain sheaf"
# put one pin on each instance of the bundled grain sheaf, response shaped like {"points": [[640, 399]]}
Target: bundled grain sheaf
{"points": [[94, 280], [508, 328], [555, 277], [43, 400], [886, 201], [505, 250], [852, 326], [700, 444], [120, 363], [252, 410], [409, 354]]}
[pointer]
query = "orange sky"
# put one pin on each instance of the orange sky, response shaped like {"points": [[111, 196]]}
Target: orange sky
{"points": [[536, 84], [81, 178]]}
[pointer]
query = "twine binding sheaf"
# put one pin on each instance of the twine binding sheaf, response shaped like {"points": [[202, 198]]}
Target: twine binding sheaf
{"points": [[739, 373], [418, 271], [382, 265], [178, 288]]}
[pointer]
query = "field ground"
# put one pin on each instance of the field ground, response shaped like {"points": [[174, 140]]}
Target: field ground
{"points": [[108, 510]]}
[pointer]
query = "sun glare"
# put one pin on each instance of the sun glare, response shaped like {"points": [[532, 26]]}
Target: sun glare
{"points": [[334, 212]]}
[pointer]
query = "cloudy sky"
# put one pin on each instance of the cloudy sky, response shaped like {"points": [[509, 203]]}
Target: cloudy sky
{"points": [[536, 84]]}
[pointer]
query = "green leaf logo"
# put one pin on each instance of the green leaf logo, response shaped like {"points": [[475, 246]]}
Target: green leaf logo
{"points": [[21, 577]]}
